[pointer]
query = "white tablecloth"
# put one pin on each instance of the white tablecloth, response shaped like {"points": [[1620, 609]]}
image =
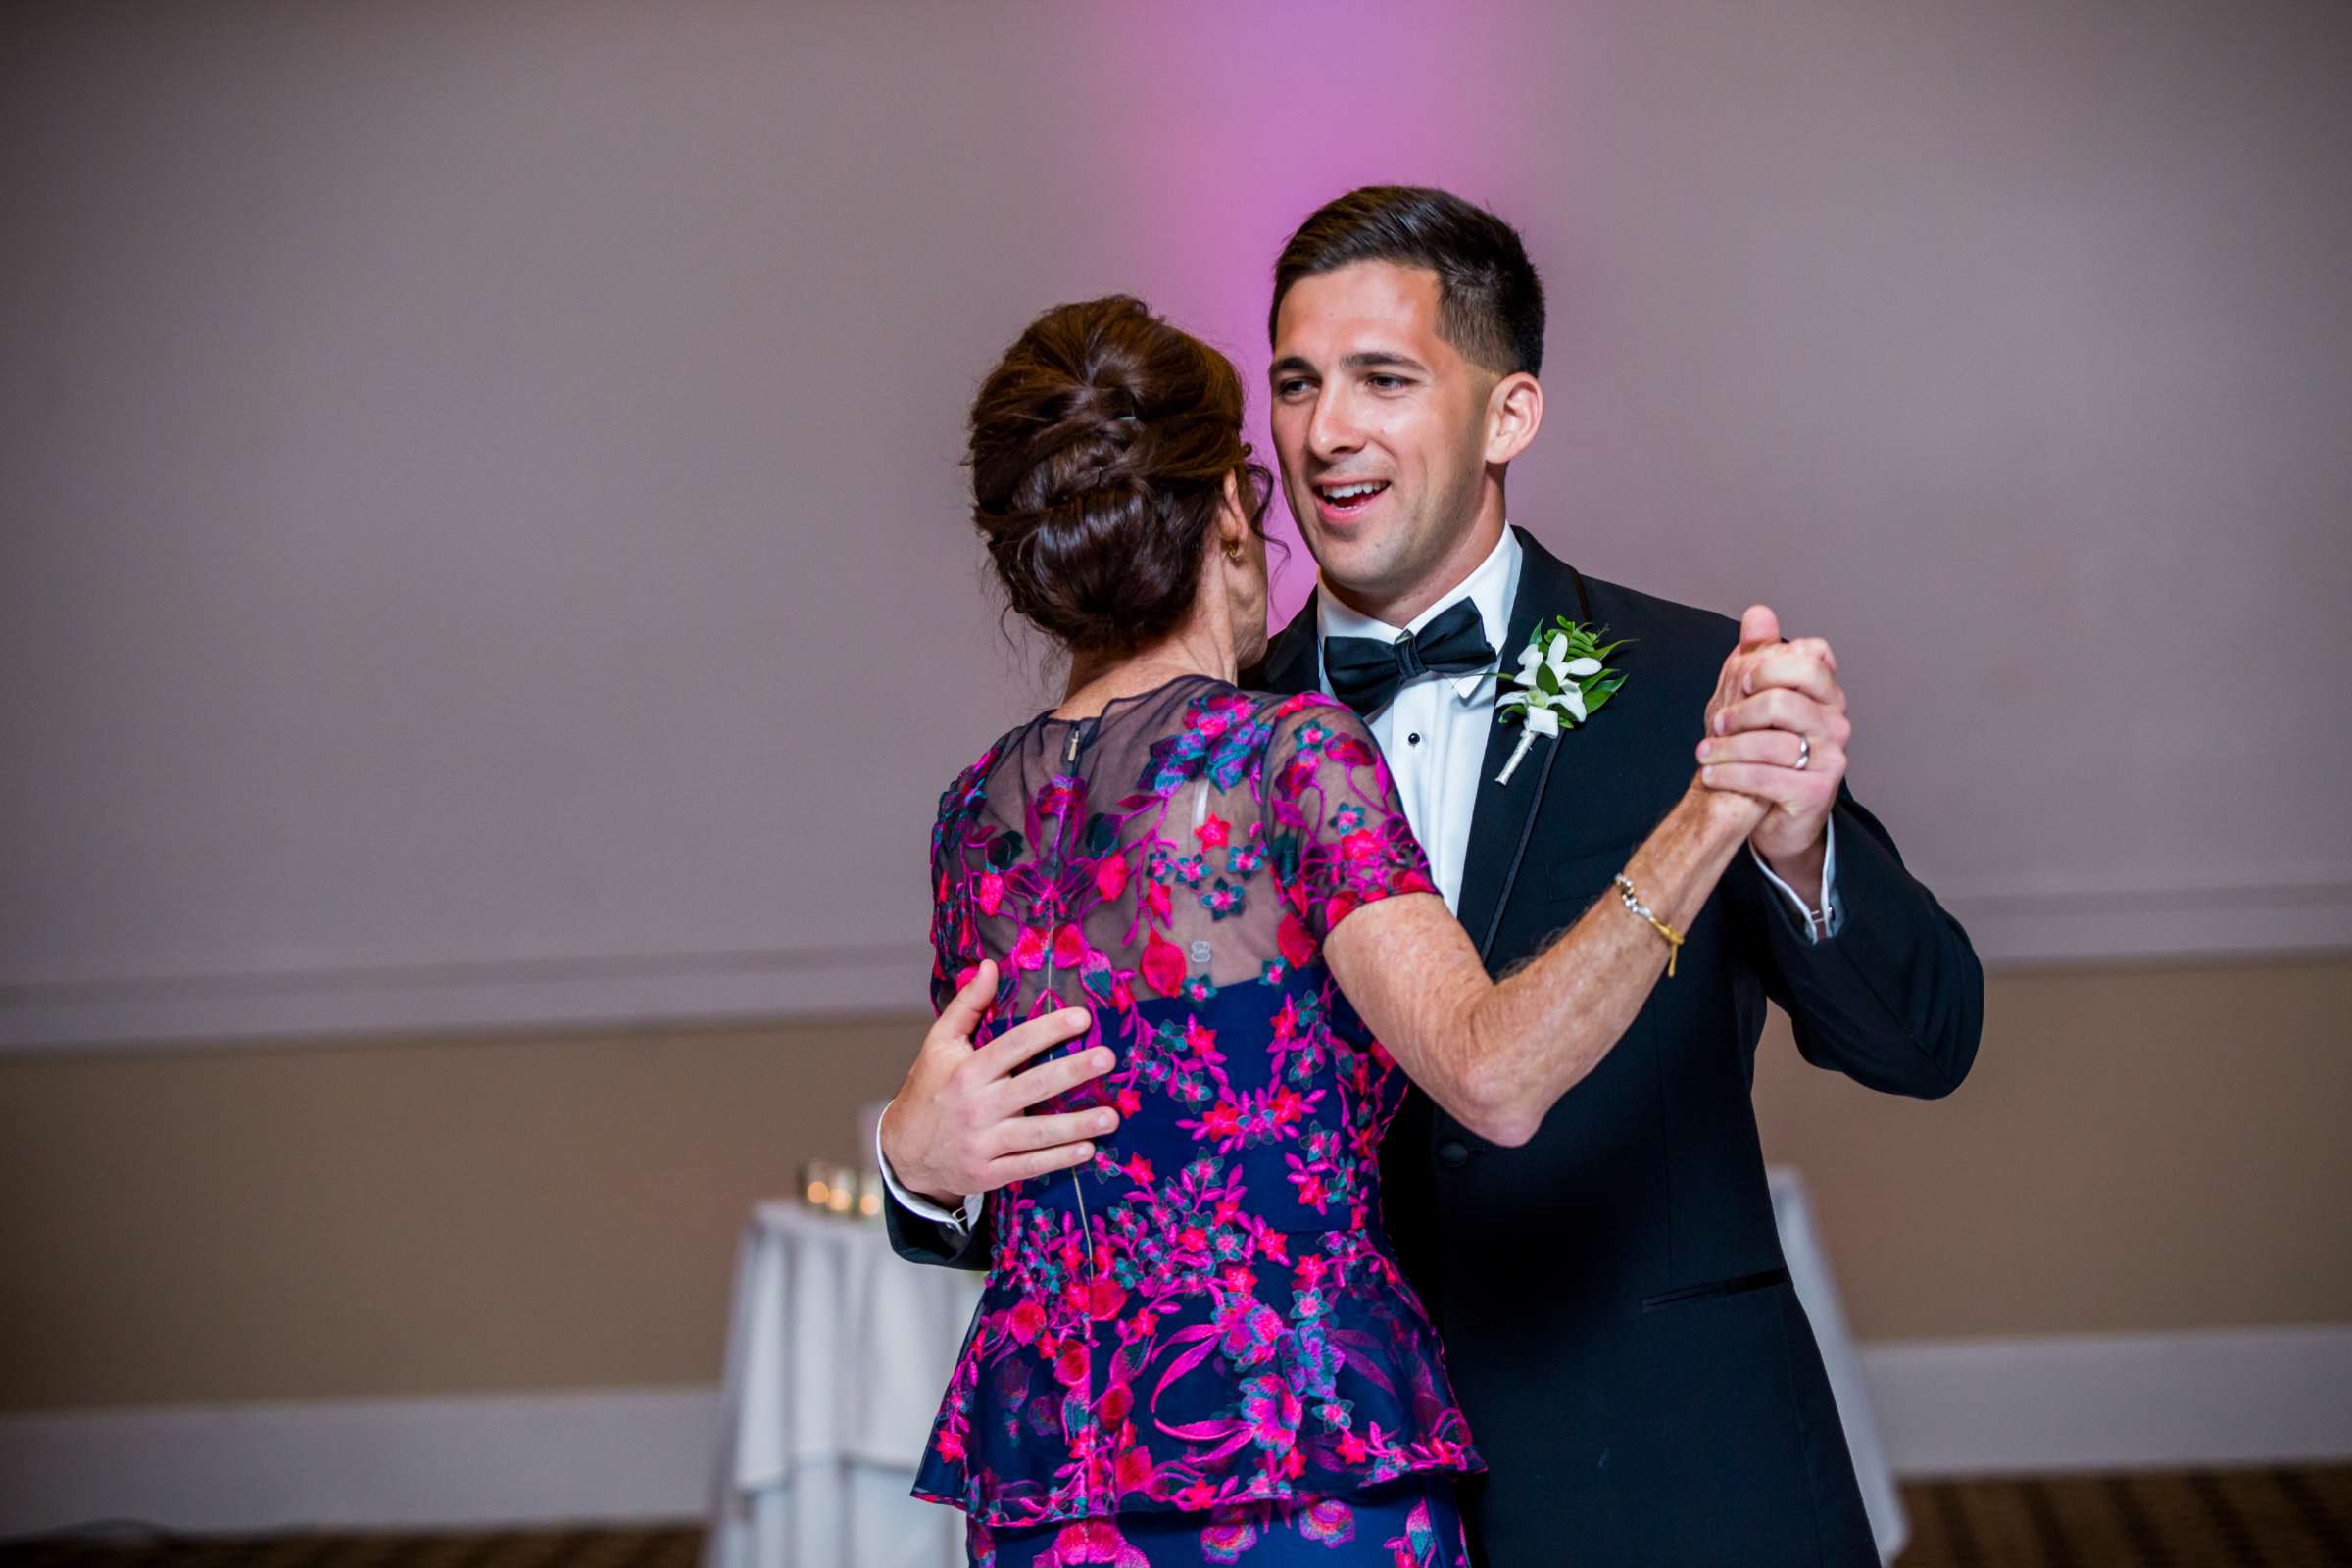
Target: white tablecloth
{"points": [[1817, 1291], [837, 1352]]}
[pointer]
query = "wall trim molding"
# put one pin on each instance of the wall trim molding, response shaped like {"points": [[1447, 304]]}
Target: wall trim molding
{"points": [[1944, 1408], [342, 1003], [2027, 929], [2056, 925]]}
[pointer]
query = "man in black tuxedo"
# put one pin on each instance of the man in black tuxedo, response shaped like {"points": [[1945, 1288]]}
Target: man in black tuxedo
{"points": [[1618, 1319]]}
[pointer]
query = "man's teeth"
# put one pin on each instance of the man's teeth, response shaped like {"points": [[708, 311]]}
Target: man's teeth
{"points": [[1351, 492]]}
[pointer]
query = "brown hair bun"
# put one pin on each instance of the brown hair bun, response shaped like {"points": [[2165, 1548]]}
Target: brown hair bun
{"points": [[1099, 446]]}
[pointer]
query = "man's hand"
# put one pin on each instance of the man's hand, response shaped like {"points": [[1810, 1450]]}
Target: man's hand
{"points": [[1777, 704], [958, 1125]]}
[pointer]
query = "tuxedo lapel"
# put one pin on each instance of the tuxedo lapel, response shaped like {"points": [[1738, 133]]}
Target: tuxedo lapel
{"points": [[1505, 813], [1294, 662]]}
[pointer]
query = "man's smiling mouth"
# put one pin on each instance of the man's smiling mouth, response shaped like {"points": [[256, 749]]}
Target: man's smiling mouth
{"points": [[1344, 500]]}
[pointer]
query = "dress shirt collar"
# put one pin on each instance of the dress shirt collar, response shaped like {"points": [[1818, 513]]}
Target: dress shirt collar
{"points": [[1490, 585]]}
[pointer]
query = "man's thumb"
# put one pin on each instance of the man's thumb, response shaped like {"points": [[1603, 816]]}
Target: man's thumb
{"points": [[968, 1008], [1758, 628]]}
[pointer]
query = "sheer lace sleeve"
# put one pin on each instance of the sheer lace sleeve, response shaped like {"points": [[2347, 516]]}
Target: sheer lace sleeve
{"points": [[1187, 840], [1340, 836], [954, 937]]}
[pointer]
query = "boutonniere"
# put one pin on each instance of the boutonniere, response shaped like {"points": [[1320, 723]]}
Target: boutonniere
{"points": [[1560, 674]]}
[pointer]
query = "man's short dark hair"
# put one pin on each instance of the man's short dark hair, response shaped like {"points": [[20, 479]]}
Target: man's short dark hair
{"points": [[1489, 301]]}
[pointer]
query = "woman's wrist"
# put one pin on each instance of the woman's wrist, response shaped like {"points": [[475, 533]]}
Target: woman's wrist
{"points": [[1723, 817]]}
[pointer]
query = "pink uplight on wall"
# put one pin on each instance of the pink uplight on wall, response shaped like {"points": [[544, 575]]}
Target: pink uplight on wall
{"points": [[1283, 108]]}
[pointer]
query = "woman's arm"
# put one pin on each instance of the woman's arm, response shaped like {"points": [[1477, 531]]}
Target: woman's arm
{"points": [[1497, 1055]]}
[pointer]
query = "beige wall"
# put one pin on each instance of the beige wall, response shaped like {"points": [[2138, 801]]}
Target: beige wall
{"points": [[2139, 1149], [470, 1213], [2136, 1149]]}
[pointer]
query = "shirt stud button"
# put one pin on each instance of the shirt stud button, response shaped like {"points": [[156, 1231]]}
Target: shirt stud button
{"points": [[1453, 1155], [1414, 739]]}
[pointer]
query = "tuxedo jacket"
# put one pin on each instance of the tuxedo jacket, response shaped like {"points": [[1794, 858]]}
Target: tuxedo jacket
{"points": [[1615, 1308]]}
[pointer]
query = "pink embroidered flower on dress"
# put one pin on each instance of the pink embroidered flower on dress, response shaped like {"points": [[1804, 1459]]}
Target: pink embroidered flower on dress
{"points": [[1252, 1331], [1025, 1321], [1092, 1543], [1110, 877], [1271, 1409], [1162, 966], [1226, 1537], [1330, 1521]]}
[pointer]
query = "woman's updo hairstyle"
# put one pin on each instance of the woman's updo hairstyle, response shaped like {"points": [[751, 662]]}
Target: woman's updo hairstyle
{"points": [[1099, 447]]}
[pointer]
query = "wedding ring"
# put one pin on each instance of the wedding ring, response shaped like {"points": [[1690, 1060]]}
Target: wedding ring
{"points": [[1804, 752]]}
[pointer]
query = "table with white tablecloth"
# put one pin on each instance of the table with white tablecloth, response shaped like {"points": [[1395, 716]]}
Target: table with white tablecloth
{"points": [[1817, 1292], [837, 1352]]}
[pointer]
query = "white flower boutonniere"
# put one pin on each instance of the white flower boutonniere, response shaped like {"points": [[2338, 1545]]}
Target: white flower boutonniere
{"points": [[1560, 672]]}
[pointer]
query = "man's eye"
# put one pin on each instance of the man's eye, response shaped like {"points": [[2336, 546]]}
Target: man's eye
{"points": [[1289, 388], [1386, 384]]}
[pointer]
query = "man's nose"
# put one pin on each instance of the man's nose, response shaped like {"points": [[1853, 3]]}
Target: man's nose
{"points": [[1333, 432]]}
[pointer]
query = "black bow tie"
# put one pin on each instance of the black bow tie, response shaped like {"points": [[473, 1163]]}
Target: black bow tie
{"points": [[1365, 672]]}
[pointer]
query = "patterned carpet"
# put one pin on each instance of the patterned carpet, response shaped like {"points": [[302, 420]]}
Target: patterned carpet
{"points": [[2274, 1518], [2277, 1518]]}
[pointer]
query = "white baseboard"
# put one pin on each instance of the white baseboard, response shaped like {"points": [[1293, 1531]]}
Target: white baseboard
{"points": [[2114, 1403], [597, 1454], [1944, 1408]]}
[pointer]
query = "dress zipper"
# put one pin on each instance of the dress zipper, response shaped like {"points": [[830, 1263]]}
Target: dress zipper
{"points": [[1086, 1229]]}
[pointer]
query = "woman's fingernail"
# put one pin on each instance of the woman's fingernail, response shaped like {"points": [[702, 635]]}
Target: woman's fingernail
{"points": [[1706, 775]]}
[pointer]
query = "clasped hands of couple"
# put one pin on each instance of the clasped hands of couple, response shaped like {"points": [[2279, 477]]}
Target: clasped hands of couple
{"points": [[1771, 763]]}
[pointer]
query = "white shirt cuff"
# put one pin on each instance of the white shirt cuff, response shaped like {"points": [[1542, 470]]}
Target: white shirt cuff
{"points": [[1826, 922], [965, 1219]]}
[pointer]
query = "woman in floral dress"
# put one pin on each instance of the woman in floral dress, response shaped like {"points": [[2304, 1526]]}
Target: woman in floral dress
{"points": [[1198, 1347]]}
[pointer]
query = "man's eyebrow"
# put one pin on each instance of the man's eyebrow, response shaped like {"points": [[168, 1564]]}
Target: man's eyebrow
{"points": [[1383, 360], [1368, 360]]}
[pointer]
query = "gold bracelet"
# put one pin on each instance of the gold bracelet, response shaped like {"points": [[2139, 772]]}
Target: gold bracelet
{"points": [[1632, 900]]}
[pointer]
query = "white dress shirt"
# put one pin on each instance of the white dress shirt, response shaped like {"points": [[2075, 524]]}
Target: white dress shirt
{"points": [[1434, 730], [1434, 734]]}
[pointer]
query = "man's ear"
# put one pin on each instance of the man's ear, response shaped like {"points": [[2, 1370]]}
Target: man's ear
{"points": [[1514, 412]]}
